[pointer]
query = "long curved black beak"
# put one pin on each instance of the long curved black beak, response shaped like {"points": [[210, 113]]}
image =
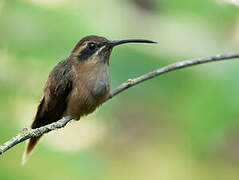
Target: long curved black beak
{"points": [[118, 42]]}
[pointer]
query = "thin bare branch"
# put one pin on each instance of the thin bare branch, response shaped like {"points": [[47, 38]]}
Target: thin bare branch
{"points": [[26, 134], [171, 67]]}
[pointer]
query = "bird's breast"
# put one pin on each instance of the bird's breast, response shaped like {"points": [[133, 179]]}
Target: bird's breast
{"points": [[89, 91], [99, 85]]}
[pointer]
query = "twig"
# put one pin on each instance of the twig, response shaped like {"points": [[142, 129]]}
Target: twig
{"points": [[171, 67], [26, 134]]}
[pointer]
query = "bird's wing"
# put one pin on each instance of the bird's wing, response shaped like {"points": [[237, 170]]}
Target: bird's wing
{"points": [[57, 89], [53, 104]]}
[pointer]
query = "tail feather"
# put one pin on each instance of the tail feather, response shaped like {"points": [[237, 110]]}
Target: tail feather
{"points": [[40, 120], [30, 146]]}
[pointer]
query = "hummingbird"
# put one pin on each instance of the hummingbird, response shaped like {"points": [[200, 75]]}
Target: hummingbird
{"points": [[78, 84]]}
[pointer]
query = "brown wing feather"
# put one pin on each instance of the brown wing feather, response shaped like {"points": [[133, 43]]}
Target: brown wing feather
{"points": [[53, 104]]}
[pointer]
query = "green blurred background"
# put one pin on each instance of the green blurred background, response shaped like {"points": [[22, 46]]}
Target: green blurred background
{"points": [[180, 126]]}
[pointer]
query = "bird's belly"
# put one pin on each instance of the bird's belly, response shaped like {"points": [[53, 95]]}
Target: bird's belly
{"points": [[85, 100]]}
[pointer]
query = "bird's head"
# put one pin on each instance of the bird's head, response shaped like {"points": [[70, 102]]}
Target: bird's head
{"points": [[98, 49]]}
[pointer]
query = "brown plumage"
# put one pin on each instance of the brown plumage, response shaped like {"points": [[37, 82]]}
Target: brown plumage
{"points": [[77, 85]]}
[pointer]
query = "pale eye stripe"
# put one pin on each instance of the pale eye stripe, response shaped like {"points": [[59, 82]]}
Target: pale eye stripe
{"points": [[82, 47]]}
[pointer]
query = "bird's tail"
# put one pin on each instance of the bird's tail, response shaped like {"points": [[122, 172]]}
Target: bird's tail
{"points": [[39, 120], [29, 147]]}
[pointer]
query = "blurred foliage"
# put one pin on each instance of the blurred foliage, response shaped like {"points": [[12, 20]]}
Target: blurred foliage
{"points": [[182, 125]]}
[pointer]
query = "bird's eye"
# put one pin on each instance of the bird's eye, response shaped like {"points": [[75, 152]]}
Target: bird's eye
{"points": [[92, 46]]}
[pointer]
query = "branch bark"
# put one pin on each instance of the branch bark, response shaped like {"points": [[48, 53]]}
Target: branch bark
{"points": [[26, 134]]}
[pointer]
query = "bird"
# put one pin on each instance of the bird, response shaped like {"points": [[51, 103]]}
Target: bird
{"points": [[77, 85]]}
